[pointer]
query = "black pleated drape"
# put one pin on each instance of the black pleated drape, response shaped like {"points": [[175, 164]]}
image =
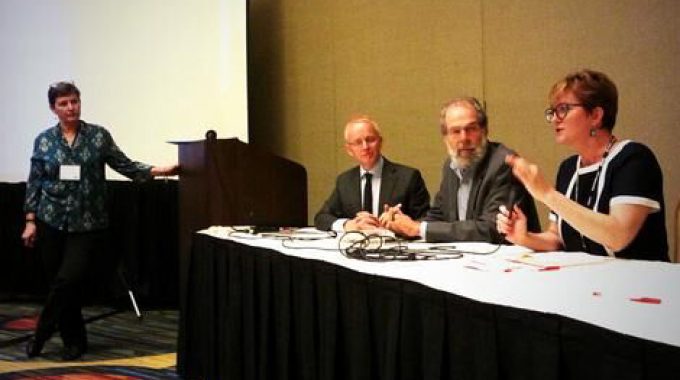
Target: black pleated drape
{"points": [[142, 245]]}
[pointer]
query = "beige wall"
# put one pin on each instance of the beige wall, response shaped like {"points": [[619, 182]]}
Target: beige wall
{"points": [[313, 64]]}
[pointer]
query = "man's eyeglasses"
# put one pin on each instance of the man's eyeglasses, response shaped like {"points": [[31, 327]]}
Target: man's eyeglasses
{"points": [[468, 129], [369, 140], [560, 111]]}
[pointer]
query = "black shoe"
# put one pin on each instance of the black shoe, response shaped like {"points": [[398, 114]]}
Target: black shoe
{"points": [[72, 352], [34, 347]]}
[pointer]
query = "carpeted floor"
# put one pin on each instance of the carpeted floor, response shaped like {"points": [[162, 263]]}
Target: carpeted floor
{"points": [[121, 346]]}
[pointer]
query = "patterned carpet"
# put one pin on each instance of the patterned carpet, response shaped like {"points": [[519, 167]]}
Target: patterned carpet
{"points": [[121, 346]]}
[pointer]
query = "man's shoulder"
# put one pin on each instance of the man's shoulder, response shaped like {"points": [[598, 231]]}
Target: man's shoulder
{"points": [[397, 167], [497, 149], [495, 159], [353, 171]]}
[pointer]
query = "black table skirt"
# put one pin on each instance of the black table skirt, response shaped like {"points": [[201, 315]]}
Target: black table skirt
{"points": [[254, 313]]}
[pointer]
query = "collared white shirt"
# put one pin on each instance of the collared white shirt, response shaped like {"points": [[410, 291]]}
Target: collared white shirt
{"points": [[462, 196], [465, 179], [376, 172]]}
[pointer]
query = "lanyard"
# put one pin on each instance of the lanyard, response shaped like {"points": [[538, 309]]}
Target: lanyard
{"points": [[591, 194]]}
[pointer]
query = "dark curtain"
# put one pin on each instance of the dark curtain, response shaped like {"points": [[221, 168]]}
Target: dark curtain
{"points": [[253, 313], [141, 251], [19, 267]]}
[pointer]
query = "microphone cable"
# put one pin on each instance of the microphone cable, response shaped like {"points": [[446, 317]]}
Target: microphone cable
{"points": [[375, 247]]}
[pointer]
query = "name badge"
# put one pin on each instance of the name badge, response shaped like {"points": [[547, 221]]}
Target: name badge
{"points": [[69, 173]]}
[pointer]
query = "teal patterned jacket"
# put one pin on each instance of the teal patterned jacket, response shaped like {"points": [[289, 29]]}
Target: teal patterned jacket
{"points": [[76, 206]]}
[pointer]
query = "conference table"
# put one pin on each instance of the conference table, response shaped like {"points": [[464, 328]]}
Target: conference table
{"points": [[297, 305]]}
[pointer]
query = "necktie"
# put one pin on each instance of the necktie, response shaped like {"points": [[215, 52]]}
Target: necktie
{"points": [[368, 193]]}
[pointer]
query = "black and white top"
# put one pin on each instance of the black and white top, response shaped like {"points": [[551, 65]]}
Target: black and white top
{"points": [[630, 174]]}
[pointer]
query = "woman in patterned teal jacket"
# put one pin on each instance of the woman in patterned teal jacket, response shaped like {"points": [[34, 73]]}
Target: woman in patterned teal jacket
{"points": [[66, 215]]}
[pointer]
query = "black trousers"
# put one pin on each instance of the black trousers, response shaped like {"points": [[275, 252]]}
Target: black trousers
{"points": [[69, 259]]}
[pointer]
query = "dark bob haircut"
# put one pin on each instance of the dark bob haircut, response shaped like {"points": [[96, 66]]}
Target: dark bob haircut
{"points": [[593, 89], [61, 89]]}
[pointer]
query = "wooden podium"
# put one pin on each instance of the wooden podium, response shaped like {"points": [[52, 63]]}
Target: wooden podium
{"points": [[228, 182]]}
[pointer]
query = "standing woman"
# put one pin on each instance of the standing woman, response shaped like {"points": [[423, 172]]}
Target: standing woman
{"points": [[66, 214], [609, 196]]}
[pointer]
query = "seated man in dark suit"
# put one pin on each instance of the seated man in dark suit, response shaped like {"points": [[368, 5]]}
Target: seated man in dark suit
{"points": [[362, 192], [475, 182]]}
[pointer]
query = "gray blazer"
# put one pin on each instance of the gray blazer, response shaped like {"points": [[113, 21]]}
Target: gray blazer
{"points": [[399, 184], [490, 189]]}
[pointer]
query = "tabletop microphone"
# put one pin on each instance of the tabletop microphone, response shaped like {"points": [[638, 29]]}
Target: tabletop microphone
{"points": [[512, 198]]}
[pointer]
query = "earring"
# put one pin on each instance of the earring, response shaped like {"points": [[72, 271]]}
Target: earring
{"points": [[593, 131]]}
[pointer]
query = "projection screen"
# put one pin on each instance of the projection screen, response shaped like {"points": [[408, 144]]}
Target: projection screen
{"points": [[150, 71]]}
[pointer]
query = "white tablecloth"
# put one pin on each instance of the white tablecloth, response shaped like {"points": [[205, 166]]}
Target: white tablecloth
{"points": [[590, 289]]}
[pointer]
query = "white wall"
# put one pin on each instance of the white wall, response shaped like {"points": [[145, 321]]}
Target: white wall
{"points": [[151, 71]]}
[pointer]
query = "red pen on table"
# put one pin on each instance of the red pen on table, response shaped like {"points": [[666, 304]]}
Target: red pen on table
{"points": [[651, 300], [550, 267]]}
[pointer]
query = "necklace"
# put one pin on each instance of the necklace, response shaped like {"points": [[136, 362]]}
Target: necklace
{"points": [[591, 194]]}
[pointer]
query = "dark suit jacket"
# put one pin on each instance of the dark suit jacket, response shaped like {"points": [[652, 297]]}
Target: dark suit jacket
{"points": [[399, 184], [490, 189]]}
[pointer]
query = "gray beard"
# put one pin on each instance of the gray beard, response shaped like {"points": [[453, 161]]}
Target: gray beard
{"points": [[464, 163]]}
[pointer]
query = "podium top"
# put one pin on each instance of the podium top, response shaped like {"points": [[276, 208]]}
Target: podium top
{"points": [[182, 142]]}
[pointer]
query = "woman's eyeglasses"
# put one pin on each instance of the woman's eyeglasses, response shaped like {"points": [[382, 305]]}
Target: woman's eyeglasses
{"points": [[560, 111]]}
